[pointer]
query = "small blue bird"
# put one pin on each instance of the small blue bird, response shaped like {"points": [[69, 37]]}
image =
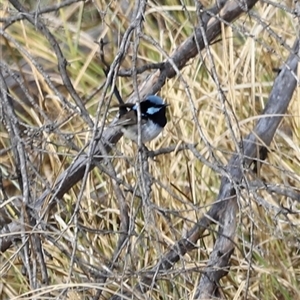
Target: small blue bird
{"points": [[153, 119]]}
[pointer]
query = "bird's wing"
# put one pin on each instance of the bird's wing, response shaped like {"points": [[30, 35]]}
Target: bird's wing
{"points": [[124, 108], [130, 118], [127, 119]]}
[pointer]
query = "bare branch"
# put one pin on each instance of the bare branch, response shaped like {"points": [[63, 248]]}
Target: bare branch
{"points": [[262, 135], [223, 211], [179, 58]]}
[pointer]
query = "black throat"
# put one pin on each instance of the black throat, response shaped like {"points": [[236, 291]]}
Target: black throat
{"points": [[158, 117]]}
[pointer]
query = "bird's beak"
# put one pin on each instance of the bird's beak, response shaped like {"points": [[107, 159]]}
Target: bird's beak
{"points": [[166, 104]]}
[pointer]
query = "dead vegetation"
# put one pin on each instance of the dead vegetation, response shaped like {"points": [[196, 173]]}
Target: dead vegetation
{"points": [[83, 218]]}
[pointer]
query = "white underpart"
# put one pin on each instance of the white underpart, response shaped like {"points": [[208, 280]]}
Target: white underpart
{"points": [[149, 131]]}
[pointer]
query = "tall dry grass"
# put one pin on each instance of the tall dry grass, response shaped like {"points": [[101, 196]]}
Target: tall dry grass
{"points": [[266, 262]]}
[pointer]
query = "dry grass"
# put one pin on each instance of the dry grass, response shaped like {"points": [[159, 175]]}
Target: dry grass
{"points": [[266, 260]]}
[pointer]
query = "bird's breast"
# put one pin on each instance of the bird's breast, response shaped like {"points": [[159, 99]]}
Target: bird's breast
{"points": [[149, 131]]}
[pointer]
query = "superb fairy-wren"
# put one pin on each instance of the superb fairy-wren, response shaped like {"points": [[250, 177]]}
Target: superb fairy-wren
{"points": [[153, 119]]}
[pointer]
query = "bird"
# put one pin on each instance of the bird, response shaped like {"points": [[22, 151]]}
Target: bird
{"points": [[153, 119]]}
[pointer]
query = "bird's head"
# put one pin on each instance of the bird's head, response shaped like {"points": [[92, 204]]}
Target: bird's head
{"points": [[152, 106]]}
